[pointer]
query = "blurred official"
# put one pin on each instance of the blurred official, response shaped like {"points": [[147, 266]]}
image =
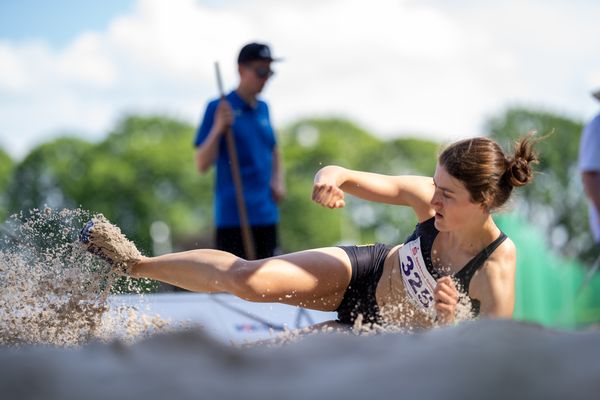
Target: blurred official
{"points": [[258, 156]]}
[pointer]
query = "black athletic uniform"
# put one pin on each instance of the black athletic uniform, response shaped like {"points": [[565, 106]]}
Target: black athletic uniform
{"points": [[417, 270]]}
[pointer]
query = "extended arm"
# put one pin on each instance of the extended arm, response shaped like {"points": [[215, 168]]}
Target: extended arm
{"points": [[414, 191]]}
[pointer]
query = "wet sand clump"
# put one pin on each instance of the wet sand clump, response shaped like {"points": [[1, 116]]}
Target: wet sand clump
{"points": [[107, 241]]}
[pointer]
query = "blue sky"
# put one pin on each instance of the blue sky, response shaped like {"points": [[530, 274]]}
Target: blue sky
{"points": [[429, 67], [56, 21]]}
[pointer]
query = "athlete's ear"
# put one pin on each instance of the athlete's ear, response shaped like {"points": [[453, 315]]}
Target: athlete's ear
{"points": [[485, 204], [484, 208]]}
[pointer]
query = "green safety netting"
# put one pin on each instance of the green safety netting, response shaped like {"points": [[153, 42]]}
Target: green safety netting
{"points": [[550, 289]]}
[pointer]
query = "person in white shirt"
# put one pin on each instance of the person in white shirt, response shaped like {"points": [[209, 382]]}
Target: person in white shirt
{"points": [[589, 165]]}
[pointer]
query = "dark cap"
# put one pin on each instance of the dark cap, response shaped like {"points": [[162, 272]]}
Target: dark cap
{"points": [[596, 94], [255, 51]]}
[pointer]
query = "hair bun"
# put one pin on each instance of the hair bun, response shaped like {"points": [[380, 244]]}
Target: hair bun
{"points": [[519, 171]]}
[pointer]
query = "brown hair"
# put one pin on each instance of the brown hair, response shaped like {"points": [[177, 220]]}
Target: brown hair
{"points": [[487, 173]]}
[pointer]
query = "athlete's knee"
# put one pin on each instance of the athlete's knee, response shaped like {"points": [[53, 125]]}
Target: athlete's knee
{"points": [[243, 282]]}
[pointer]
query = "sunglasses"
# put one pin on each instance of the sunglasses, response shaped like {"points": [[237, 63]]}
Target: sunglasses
{"points": [[263, 72]]}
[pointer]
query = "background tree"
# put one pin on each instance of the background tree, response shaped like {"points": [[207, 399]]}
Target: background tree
{"points": [[52, 174], [6, 167]]}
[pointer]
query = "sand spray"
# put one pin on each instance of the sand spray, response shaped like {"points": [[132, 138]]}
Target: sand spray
{"points": [[53, 291]]}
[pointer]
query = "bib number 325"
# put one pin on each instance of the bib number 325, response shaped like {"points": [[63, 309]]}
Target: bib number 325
{"points": [[415, 284]]}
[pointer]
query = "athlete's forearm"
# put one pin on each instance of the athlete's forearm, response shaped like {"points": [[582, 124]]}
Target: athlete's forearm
{"points": [[365, 185], [371, 186], [413, 191]]}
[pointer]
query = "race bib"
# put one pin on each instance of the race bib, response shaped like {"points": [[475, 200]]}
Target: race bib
{"points": [[418, 282]]}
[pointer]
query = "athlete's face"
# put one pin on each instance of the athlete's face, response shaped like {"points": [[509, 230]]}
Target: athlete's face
{"points": [[452, 202]]}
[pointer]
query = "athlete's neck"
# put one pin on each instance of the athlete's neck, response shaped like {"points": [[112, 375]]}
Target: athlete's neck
{"points": [[473, 238]]}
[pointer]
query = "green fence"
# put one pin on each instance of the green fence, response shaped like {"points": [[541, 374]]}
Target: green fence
{"points": [[549, 288]]}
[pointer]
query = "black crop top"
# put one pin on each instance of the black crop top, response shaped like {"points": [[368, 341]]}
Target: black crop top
{"points": [[414, 276]]}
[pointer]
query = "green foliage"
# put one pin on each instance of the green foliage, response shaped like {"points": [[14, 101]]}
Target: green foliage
{"points": [[408, 156], [316, 143], [52, 174], [6, 167], [554, 200]]}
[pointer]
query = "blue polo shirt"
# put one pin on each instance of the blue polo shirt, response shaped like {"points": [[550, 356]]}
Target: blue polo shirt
{"points": [[255, 141]]}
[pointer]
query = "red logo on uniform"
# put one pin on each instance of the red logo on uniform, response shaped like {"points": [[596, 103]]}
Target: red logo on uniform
{"points": [[414, 250]]}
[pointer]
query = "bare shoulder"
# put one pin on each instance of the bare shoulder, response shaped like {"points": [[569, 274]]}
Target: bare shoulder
{"points": [[498, 271], [505, 256], [502, 261]]}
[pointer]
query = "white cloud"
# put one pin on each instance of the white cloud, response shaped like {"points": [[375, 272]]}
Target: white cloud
{"points": [[434, 67], [178, 39], [86, 62], [12, 77]]}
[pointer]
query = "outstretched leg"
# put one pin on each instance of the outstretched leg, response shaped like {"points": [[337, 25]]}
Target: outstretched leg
{"points": [[315, 279]]}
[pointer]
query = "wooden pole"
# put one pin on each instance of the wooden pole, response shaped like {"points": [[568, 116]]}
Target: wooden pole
{"points": [[247, 239]]}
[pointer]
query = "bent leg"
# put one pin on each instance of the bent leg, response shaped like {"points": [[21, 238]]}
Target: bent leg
{"points": [[315, 279]]}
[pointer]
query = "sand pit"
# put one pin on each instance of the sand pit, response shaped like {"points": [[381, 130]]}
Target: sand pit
{"points": [[483, 359]]}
